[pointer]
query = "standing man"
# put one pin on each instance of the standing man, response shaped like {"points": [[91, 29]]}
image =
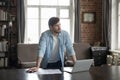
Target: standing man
{"points": [[52, 46]]}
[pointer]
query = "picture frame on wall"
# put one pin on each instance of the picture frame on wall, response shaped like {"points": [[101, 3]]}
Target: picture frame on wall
{"points": [[88, 17]]}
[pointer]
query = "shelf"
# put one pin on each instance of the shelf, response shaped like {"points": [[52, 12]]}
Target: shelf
{"points": [[7, 3], [3, 62], [8, 15], [3, 21], [3, 52], [7, 6]]}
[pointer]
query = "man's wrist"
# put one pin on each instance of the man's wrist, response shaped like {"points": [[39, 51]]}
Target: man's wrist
{"points": [[37, 66]]}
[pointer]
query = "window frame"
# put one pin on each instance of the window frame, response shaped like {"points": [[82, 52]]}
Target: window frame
{"points": [[71, 13]]}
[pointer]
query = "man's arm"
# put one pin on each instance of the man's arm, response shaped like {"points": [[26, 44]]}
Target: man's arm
{"points": [[69, 49], [38, 61], [34, 69], [70, 60], [74, 58]]}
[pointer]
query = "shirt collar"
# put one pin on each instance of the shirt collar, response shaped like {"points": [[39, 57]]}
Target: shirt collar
{"points": [[50, 33]]}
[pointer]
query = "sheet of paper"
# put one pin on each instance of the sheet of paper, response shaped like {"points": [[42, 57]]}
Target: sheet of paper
{"points": [[49, 71]]}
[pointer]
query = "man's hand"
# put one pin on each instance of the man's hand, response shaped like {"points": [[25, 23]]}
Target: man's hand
{"points": [[69, 63], [33, 69]]}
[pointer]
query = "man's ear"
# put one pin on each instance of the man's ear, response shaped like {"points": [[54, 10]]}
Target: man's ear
{"points": [[51, 27]]}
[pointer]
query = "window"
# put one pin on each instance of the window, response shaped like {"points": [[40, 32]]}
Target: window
{"points": [[39, 11], [119, 26], [115, 25]]}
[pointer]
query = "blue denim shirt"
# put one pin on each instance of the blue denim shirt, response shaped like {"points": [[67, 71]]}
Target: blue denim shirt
{"points": [[46, 45]]}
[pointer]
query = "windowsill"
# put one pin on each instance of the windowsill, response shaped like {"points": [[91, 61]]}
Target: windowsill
{"points": [[115, 51]]}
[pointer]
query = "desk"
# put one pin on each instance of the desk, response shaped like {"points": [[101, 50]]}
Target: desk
{"points": [[95, 73]]}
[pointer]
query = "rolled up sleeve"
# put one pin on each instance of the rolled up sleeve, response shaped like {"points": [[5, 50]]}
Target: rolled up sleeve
{"points": [[69, 46], [42, 45]]}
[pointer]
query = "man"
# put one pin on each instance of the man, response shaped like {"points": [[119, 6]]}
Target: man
{"points": [[52, 45]]}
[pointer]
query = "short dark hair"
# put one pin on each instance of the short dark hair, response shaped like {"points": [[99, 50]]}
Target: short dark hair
{"points": [[53, 20]]}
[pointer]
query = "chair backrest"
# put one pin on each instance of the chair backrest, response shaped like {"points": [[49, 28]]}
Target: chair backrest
{"points": [[27, 52], [82, 50]]}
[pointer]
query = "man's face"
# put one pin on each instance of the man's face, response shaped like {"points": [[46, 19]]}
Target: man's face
{"points": [[56, 28]]}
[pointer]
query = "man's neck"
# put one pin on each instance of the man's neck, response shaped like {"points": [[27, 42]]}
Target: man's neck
{"points": [[54, 33]]}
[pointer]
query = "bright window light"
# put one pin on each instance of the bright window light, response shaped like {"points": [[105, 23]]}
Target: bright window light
{"points": [[33, 2], [49, 2], [38, 13], [64, 13], [32, 31], [32, 13], [65, 25], [48, 12], [64, 2], [44, 25]]}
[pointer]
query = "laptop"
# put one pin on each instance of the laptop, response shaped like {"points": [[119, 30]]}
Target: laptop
{"points": [[80, 65]]}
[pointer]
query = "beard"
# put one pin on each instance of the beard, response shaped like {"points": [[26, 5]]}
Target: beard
{"points": [[57, 31]]}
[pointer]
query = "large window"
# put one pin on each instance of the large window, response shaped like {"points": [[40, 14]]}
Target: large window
{"points": [[39, 11], [115, 25], [119, 26]]}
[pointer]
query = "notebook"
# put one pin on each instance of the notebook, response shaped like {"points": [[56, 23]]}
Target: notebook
{"points": [[80, 65]]}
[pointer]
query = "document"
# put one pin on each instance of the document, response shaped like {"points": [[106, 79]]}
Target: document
{"points": [[48, 71]]}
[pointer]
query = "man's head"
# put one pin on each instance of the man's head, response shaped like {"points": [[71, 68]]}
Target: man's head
{"points": [[54, 24]]}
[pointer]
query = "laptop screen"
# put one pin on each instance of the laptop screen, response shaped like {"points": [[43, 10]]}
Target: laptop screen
{"points": [[80, 65]]}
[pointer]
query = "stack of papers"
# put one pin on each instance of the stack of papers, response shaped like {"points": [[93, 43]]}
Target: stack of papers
{"points": [[48, 71]]}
